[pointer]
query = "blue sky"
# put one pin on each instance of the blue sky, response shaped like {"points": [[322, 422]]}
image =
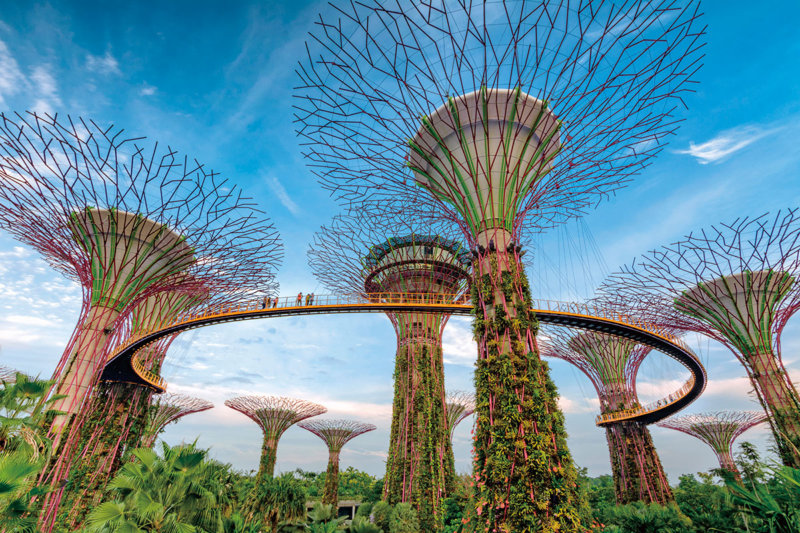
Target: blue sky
{"points": [[214, 80]]}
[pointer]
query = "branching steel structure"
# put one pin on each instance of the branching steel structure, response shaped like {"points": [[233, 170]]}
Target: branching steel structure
{"points": [[395, 255], [719, 430], [460, 404], [737, 284], [125, 219], [274, 415], [611, 363], [512, 116], [168, 408], [335, 434]]}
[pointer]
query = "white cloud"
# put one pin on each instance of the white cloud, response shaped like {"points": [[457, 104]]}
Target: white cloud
{"points": [[568, 405], [147, 90], [106, 64], [11, 78], [726, 143], [457, 345], [46, 89], [278, 190]]}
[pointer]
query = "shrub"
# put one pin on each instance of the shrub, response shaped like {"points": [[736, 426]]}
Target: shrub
{"points": [[381, 512], [639, 517], [364, 510], [403, 519]]}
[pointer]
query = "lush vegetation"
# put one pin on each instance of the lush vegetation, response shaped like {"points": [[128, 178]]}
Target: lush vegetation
{"points": [[180, 489]]}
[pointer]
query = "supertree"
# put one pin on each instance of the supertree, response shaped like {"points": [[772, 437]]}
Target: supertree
{"points": [[274, 415], [611, 363], [460, 404], [126, 220], [396, 255], [718, 430], [735, 283], [512, 116], [335, 434], [8, 375], [168, 408]]}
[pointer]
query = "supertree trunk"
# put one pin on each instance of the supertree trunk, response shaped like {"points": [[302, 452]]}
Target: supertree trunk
{"points": [[113, 425], [637, 470], [525, 478], [266, 464], [780, 400], [419, 467], [330, 493]]}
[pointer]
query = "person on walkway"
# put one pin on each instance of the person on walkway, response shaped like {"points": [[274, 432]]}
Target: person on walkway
{"points": [[308, 299], [275, 303], [311, 299], [264, 302], [299, 299]]}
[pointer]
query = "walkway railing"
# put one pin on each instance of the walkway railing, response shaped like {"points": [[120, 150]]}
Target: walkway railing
{"points": [[446, 303], [652, 407], [150, 377]]}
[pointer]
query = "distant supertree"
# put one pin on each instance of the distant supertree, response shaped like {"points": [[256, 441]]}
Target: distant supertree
{"points": [[335, 433], [168, 408], [737, 284], [390, 257], [125, 219], [274, 415], [460, 404], [511, 115], [611, 363], [718, 430], [7, 375]]}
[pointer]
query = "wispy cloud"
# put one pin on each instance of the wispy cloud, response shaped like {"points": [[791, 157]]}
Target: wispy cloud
{"points": [[147, 90], [279, 191], [726, 143], [105, 64], [11, 77], [46, 88]]}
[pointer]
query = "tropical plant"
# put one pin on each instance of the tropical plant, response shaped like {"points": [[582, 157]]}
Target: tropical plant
{"points": [[274, 502], [640, 517], [363, 525], [173, 493], [24, 448], [778, 506]]}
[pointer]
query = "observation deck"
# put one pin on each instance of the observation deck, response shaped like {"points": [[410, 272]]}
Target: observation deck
{"points": [[122, 366]]}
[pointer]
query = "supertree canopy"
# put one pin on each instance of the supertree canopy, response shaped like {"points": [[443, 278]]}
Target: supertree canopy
{"points": [[335, 434], [274, 415], [125, 219], [611, 363], [168, 408], [511, 116], [718, 430], [398, 256], [735, 283], [460, 404]]}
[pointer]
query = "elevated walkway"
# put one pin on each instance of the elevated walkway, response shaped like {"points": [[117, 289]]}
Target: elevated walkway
{"points": [[122, 365]]}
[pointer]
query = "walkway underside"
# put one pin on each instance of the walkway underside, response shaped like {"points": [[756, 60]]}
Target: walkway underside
{"points": [[123, 366]]}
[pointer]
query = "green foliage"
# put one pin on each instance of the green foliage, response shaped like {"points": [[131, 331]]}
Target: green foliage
{"points": [[777, 505], [173, 493], [363, 525], [381, 512], [404, 519], [524, 475], [705, 504], [353, 484], [640, 517], [275, 500], [364, 510], [24, 449]]}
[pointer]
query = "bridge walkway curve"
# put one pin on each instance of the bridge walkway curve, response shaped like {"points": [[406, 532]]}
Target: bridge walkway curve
{"points": [[123, 364]]}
